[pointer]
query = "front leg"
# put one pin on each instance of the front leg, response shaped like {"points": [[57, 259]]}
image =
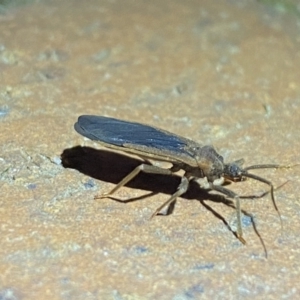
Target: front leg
{"points": [[236, 197]]}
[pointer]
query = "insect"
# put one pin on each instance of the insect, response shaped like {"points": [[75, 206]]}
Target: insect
{"points": [[200, 163]]}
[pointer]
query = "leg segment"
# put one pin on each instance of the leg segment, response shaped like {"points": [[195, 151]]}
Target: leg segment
{"points": [[144, 168], [182, 188], [234, 196]]}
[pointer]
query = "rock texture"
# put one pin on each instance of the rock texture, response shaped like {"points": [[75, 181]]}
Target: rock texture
{"points": [[219, 72]]}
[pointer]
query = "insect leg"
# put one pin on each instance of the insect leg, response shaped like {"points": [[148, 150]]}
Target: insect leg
{"points": [[144, 168], [234, 196], [182, 188]]}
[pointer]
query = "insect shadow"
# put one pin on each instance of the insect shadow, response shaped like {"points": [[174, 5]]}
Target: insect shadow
{"points": [[112, 167]]}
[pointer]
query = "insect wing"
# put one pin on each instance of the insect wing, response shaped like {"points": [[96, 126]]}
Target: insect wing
{"points": [[122, 133]]}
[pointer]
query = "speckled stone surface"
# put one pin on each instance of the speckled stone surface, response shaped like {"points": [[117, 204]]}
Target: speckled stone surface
{"points": [[219, 72]]}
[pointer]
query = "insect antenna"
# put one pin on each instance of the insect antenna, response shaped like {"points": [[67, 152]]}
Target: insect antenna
{"points": [[266, 166]]}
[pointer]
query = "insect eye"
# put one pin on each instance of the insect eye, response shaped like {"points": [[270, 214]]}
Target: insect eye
{"points": [[233, 170]]}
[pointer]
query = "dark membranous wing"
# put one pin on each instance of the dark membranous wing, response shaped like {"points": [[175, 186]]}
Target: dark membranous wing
{"points": [[135, 138]]}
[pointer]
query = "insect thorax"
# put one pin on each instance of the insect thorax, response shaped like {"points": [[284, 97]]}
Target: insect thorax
{"points": [[210, 162]]}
